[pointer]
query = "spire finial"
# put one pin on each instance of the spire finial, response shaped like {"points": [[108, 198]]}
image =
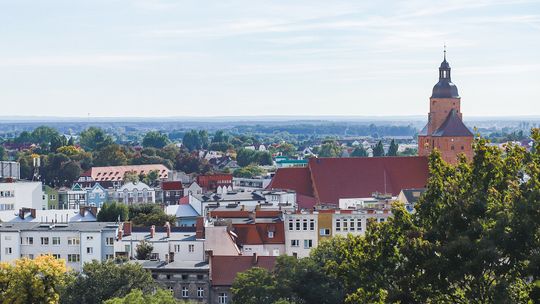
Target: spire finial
{"points": [[445, 52]]}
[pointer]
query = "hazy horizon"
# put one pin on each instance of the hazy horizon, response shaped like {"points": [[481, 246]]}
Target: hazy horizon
{"points": [[162, 58]]}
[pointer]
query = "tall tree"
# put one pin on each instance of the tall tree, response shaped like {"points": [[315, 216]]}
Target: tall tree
{"points": [[330, 149], [112, 212], [111, 155], [143, 250], [378, 150], [136, 296], [155, 139], [94, 139], [359, 151], [393, 149]]}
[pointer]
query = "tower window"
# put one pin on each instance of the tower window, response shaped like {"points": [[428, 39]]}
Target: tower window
{"points": [[452, 148], [462, 148]]}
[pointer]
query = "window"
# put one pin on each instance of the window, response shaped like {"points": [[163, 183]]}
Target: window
{"points": [[291, 225], [27, 240], [109, 256], [270, 234], [89, 238], [308, 244], [184, 277], [176, 248], [304, 224], [359, 224], [352, 225], [89, 250], [324, 231], [56, 255], [451, 147], [295, 243], [52, 197], [56, 240], [311, 224], [200, 292], [185, 292], [200, 277], [462, 148], [9, 250], [297, 224], [222, 298], [345, 228], [44, 241], [109, 241], [74, 241], [73, 258], [191, 248], [338, 225], [381, 220]]}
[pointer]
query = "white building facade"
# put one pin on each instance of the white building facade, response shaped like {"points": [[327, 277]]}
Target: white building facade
{"points": [[300, 233], [21, 194]]}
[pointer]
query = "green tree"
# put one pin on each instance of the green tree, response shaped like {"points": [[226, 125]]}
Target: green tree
{"points": [[131, 177], [3, 154], [101, 281], [94, 139], [32, 281], [393, 149], [136, 296], [151, 178], [330, 148], [255, 286], [149, 214], [111, 155], [359, 151], [143, 250], [155, 139], [248, 171], [112, 211], [378, 150], [44, 135], [220, 137]]}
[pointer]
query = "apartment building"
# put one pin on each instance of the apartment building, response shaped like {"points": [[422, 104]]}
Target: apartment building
{"points": [[16, 194], [76, 243], [301, 233]]}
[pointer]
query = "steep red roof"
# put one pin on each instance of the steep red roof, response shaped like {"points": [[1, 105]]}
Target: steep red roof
{"points": [[116, 173], [295, 178], [223, 269], [257, 234], [326, 180], [335, 178]]}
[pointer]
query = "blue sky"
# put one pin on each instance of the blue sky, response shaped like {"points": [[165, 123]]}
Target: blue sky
{"points": [[246, 57]]}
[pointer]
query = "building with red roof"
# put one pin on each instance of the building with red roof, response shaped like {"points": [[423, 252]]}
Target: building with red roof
{"points": [[326, 180], [223, 271]]}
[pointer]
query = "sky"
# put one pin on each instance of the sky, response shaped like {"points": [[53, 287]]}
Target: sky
{"points": [[162, 58]]}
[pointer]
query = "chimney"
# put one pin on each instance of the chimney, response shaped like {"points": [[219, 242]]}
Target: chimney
{"points": [[126, 228], [199, 228], [81, 210], [21, 213], [152, 231], [168, 229], [119, 236], [254, 260], [33, 212]]}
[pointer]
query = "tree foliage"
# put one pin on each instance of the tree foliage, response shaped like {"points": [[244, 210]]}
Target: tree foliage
{"points": [[101, 281], [378, 150], [136, 296], [330, 148], [32, 281], [247, 157], [393, 149], [143, 250], [149, 214], [155, 139], [94, 139], [359, 151], [112, 212]]}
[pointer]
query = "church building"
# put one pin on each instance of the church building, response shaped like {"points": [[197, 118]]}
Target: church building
{"points": [[445, 130]]}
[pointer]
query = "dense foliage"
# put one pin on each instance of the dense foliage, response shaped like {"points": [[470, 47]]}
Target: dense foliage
{"points": [[473, 239]]}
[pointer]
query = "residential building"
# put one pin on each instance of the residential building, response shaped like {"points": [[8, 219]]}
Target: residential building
{"points": [[301, 233], [285, 200], [409, 197], [250, 184], [169, 243], [186, 215], [285, 162], [75, 242], [134, 193], [211, 182], [192, 189], [187, 280], [172, 192], [223, 271], [50, 197], [113, 176], [84, 214], [445, 130], [346, 222], [72, 198], [96, 196], [17, 194]]}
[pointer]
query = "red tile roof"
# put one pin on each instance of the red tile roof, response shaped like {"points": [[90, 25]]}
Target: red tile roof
{"points": [[257, 234], [223, 269], [118, 172], [295, 178], [329, 179]]}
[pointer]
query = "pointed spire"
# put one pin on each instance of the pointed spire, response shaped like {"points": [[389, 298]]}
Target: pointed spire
{"points": [[445, 52]]}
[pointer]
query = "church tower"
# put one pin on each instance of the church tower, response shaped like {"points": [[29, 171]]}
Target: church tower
{"points": [[445, 130]]}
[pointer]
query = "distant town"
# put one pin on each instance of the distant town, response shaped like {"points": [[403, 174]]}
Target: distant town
{"points": [[197, 203]]}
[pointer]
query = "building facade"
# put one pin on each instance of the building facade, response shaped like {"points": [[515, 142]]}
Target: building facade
{"points": [[17, 194]]}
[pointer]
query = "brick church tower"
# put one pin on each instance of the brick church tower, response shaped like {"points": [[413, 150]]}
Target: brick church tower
{"points": [[445, 130]]}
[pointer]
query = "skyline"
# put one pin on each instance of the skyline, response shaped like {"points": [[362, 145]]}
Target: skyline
{"points": [[149, 58]]}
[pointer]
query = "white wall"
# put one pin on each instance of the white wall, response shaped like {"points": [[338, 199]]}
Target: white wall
{"points": [[26, 194], [300, 235]]}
